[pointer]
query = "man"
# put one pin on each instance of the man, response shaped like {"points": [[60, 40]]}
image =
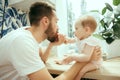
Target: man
{"points": [[20, 56]]}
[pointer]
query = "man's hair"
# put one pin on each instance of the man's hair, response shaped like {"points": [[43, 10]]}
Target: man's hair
{"points": [[88, 21], [38, 10]]}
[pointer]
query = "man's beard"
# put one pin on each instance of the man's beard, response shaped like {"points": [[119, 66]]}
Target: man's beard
{"points": [[54, 38], [51, 35]]}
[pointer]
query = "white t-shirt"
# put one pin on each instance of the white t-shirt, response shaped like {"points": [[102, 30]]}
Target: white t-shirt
{"points": [[90, 41], [19, 55]]}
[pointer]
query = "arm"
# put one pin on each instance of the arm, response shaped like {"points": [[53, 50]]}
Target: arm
{"points": [[97, 53], [83, 57], [70, 40], [44, 55], [42, 74], [67, 75]]}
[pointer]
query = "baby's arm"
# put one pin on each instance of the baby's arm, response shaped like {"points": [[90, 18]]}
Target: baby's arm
{"points": [[85, 56], [70, 40]]}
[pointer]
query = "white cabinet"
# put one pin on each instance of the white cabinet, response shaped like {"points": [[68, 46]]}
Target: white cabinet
{"points": [[11, 2], [24, 4]]}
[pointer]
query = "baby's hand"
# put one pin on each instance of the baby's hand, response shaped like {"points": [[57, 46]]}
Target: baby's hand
{"points": [[61, 39], [66, 60], [59, 62], [69, 40]]}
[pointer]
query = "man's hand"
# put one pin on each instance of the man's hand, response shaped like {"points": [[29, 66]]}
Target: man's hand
{"points": [[61, 39], [96, 53]]}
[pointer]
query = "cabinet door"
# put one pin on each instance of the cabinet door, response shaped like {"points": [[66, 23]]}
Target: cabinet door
{"points": [[11, 2], [25, 4]]}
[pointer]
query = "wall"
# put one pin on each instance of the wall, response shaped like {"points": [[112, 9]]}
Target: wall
{"points": [[11, 18]]}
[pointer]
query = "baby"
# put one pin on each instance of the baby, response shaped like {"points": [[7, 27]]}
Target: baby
{"points": [[84, 27]]}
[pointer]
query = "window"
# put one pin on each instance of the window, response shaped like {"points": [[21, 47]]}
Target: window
{"points": [[76, 8], [69, 10]]}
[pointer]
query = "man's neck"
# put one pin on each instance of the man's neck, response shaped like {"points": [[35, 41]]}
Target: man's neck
{"points": [[37, 33]]}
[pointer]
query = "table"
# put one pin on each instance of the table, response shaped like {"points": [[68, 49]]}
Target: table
{"points": [[109, 71]]}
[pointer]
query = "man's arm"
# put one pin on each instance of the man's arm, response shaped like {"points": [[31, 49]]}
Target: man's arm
{"points": [[70, 74], [44, 56], [43, 74], [97, 53]]}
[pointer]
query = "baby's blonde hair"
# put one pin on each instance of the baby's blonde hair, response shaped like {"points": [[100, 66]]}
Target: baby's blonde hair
{"points": [[87, 21]]}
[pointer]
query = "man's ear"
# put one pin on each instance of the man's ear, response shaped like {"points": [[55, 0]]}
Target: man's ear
{"points": [[45, 21]]}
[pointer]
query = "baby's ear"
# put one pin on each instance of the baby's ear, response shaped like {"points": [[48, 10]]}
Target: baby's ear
{"points": [[87, 28]]}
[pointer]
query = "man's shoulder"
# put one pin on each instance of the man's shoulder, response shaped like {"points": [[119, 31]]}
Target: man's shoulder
{"points": [[23, 36]]}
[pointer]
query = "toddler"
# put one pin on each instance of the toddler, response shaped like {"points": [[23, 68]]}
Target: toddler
{"points": [[84, 27]]}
